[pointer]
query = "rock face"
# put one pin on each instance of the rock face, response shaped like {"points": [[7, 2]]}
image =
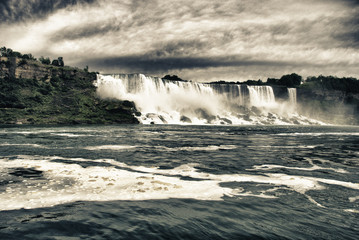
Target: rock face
{"points": [[31, 69], [333, 106], [34, 93], [280, 92]]}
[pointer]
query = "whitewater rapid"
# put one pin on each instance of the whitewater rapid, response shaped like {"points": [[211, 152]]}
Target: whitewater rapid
{"points": [[163, 101]]}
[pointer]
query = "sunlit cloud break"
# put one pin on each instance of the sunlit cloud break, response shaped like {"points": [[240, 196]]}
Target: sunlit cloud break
{"points": [[199, 40]]}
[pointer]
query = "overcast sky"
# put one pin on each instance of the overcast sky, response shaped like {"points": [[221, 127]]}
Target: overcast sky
{"points": [[231, 40]]}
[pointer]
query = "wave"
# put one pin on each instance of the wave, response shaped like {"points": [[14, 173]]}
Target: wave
{"points": [[45, 182]]}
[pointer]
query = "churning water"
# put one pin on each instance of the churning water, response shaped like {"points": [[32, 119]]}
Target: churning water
{"points": [[179, 182], [181, 102]]}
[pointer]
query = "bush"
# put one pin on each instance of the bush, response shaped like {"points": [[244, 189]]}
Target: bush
{"points": [[55, 62], [290, 80], [22, 62], [348, 85], [45, 60]]}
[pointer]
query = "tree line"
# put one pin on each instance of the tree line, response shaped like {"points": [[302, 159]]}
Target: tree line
{"points": [[8, 52]]}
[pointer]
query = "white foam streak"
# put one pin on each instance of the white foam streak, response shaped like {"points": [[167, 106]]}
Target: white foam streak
{"points": [[110, 147], [204, 148], [63, 183], [320, 134], [23, 145], [267, 167], [353, 199]]}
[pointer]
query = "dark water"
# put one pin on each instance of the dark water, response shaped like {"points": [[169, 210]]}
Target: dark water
{"points": [[179, 182]]}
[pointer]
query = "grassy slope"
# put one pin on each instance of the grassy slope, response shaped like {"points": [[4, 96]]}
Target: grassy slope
{"points": [[67, 97]]}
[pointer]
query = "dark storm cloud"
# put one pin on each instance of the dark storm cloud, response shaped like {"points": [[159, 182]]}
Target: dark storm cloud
{"points": [[352, 2], [20, 10], [349, 34], [178, 48], [87, 31], [147, 64], [350, 25]]}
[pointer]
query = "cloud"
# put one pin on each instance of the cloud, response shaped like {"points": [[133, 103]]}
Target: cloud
{"points": [[147, 63], [189, 36], [22, 10]]}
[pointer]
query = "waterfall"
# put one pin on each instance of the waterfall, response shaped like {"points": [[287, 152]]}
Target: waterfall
{"points": [[184, 102], [261, 96], [292, 93]]}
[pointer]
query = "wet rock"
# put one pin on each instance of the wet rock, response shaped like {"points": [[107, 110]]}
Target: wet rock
{"points": [[225, 120], [185, 119], [205, 115]]}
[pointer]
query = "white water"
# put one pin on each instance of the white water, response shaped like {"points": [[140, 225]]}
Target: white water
{"points": [[292, 92], [63, 183], [182, 102]]}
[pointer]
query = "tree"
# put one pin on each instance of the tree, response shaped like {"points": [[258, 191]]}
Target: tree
{"points": [[16, 54], [291, 80], [172, 77], [28, 56], [9, 52], [3, 51], [44, 60], [55, 62], [61, 61]]}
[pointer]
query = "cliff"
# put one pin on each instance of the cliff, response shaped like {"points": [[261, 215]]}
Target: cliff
{"points": [[35, 93], [331, 106]]}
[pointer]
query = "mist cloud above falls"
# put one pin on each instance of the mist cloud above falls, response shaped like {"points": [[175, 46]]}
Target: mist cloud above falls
{"points": [[199, 40]]}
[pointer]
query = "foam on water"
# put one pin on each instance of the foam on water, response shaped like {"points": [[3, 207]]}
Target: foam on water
{"points": [[319, 134], [62, 183], [71, 135], [110, 147], [46, 181], [23, 145], [190, 149], [314, 167], [353, 199]]}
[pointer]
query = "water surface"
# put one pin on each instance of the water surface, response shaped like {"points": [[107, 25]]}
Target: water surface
{"points": [[179, 182]]}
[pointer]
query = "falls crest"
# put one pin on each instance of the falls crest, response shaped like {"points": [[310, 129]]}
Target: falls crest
{"points": [[178, 102]]}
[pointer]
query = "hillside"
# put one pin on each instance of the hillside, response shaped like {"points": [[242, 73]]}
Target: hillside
{"points": [[35, 93]]}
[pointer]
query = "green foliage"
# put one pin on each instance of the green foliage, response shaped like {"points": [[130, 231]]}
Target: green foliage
{"points": [[68, 97], [28, 56], [22, 62], [290, 80], [45, 61], [6, 63], [58, 62], [347, 85], [61, 61], [8, 52], [254, 82], [173, 78], [2, 51], [55, 62]]}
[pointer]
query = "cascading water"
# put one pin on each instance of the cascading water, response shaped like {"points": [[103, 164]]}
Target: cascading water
{"points": [[292, 93], [262, 96], [178, 102]]}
